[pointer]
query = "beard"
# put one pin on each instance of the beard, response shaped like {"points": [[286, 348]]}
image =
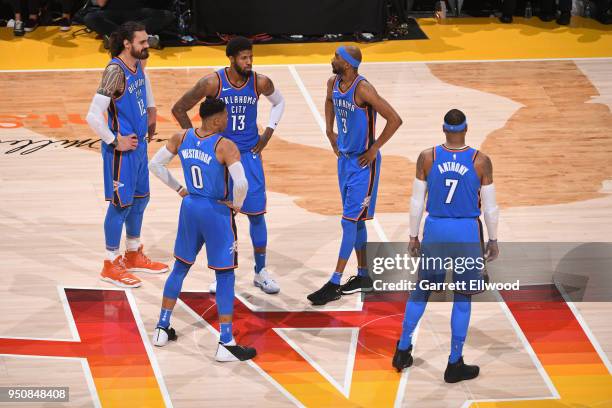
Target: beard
{"points": [[336, 70], [142, 55], [243, 72]]}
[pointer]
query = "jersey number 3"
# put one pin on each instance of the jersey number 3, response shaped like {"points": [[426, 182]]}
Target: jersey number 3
{"points": [[453, 186], [344, 129]]}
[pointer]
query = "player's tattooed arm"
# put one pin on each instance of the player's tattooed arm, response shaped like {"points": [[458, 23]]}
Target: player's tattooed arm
{"points": [[264, 85], [207, 86], [330, 116], [113, 81], [484, 168], [424, 163], [366, 94]]}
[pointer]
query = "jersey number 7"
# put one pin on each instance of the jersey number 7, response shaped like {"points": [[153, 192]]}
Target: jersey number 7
{"points": [[452, 183]]}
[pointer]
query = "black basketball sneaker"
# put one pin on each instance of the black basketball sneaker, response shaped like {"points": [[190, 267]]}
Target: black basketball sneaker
{"points": [[329, 292], [234, 352], [357, 284], [460, 371], [402, 358]]}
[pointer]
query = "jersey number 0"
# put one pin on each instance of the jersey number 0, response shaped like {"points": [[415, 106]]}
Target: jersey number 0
{"points": [[196, 177]]}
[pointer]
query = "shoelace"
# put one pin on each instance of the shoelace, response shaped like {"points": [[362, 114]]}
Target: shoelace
{"points": [[145, 259], [352, 278], [121, 262]]}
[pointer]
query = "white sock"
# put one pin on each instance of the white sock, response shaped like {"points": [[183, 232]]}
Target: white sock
{"points": [[112, 255], [132, 244]]}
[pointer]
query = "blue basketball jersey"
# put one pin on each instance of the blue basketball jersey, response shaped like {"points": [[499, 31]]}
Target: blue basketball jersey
{"points": [[127, 114], [453, 185], [355, 124], [204, 175], [241, 105]]}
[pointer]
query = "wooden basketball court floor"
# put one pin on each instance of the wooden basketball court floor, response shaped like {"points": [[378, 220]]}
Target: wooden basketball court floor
{"points": [[544, 122]]}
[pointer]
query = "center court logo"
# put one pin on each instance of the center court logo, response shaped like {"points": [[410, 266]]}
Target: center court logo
{"points": [[373, 382]]}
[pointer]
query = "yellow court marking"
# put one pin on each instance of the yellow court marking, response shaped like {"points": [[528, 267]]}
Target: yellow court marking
{"points": [[455, 39]]}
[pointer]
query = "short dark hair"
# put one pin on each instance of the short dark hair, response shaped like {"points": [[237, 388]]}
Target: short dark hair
{"points": [[454, 117], [237, 44], [124, 32], [211, 106]]}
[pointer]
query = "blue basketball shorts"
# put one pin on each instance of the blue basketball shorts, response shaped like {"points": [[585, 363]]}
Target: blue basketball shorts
{"points": [[204, 221], [126, 174], [358, 187], [453, 245]]}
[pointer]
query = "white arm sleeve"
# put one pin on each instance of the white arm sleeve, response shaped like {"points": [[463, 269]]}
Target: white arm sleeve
{"points": [[417, 204], [241, 185], [149, 89], [490, 209], [97, 120], [158, 164], [278, 107]]}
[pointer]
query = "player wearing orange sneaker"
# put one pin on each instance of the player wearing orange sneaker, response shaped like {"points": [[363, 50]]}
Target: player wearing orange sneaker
{"points": [[125, 95], [115, 272], [137, 261]]}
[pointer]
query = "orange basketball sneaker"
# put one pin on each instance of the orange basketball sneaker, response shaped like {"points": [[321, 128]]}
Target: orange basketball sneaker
{"points": [[115, 273], [137, 261]]}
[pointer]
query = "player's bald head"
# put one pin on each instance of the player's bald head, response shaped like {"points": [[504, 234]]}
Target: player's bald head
{"points": [[354, 52], [346, 57]]}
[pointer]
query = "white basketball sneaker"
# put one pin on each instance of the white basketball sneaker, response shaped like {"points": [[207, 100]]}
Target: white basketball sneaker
{"points": [[162, 336], [234, 352], [263, 281]]}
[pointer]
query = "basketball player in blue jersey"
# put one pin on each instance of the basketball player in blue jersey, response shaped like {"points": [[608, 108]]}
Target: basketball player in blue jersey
{"points": [[206, 218], [457, 180], [125, 96], [240, 87], [353, 103]]}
